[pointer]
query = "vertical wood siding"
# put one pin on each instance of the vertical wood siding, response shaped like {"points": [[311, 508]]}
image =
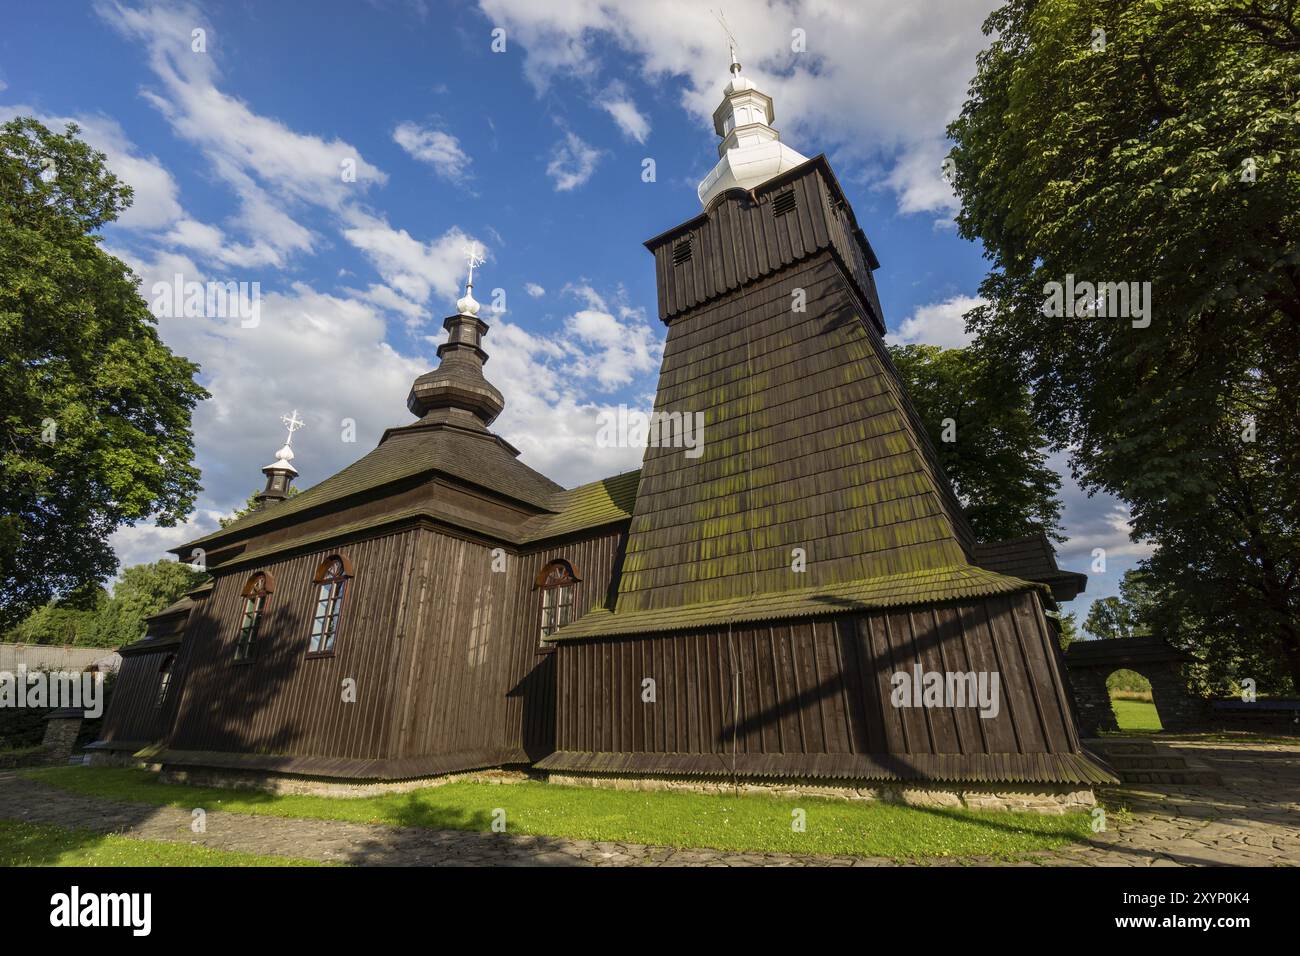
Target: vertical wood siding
{"points": [[133, 715], [818, 687], [283, 702], [443, 650], [740, 240]]}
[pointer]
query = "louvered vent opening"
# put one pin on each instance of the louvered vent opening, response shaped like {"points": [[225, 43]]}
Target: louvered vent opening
{"points": [[682, 252], [783, 203]]}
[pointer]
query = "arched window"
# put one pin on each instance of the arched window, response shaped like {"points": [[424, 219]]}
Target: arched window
{"points": [[255, 593], [165, 678], [331, 579], [556, 582]]}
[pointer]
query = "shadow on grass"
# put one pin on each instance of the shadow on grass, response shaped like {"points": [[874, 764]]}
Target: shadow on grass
{"points": [[426, 835], [30, 844]]}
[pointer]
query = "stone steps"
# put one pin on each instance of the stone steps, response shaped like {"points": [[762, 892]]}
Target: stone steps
{"points": [[1139, 760]]}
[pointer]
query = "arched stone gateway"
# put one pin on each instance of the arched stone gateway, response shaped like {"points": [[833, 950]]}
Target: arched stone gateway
{"points": [[1089, 663]]}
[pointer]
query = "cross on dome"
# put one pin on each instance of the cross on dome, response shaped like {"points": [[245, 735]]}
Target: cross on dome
{"points": [[467, 305], [293, 423], [284, 457], [731, 40], [751, 151]]}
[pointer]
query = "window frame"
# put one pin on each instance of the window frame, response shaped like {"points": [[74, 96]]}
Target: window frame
{"points": [[331, 591], [557, 580], [247, 635], [164, 680]]}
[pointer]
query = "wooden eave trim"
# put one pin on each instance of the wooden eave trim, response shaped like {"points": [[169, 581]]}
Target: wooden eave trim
{"points": [[370, 494]]}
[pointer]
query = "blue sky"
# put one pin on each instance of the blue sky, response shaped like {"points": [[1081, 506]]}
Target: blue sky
{"points": [[236, 153]]}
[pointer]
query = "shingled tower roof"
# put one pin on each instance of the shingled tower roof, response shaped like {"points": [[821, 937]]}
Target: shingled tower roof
{"points": [[456, 390], [815, 488]]}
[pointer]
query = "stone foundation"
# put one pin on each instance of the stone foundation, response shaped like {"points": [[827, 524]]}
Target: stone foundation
{"points": [[119, 758], [1035, 798], [284, 783]]}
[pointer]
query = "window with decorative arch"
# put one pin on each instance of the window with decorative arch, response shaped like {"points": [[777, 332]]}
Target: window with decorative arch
{"points": [[556, 582], [331, 581], [256, 590], [164, 679]]}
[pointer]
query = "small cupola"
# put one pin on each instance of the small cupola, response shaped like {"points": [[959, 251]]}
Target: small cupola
{"points": [[456, 390], [281, 472], [751, 151]]}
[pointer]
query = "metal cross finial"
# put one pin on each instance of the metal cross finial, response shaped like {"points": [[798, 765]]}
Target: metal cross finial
{"points": [[474, 258], [731, 40], [293, 423]]}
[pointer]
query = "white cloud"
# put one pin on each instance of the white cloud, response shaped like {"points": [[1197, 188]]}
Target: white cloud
{"points": [[212, 243], [326, 355], [270, 167], [534, 290], [438, 149], [876, 88], [917, 179], [629, 119], [548, 416], [386, 298], [572, 162], [145, 543], [940, 323], [610, 350], [415, 269], [1089, 522]]}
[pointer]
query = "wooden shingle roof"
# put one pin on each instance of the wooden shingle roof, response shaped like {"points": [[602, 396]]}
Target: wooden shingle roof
{"points": [[476, 457], [808, 444], [939, 584], [587, 506], [1031, 557]]}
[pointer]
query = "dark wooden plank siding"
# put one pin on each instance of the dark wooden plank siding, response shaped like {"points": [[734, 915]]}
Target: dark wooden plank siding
{"points": [[740, 240], [444, 652], [816, 687], [133, 715]]}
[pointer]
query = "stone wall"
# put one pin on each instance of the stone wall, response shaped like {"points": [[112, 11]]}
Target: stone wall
{"points": [[61, 730], [1089, 663], [1041, 798]]}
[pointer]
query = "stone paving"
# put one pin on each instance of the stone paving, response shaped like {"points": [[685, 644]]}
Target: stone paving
{"points": [[1253, 820]]}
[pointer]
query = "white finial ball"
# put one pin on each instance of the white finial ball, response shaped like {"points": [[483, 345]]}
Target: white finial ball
{"points": [[467, 305], [285, 453]]}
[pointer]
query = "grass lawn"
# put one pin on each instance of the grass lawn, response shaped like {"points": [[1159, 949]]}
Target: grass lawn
{"points": [[31, 844], [1136, 715], [742, 823]]}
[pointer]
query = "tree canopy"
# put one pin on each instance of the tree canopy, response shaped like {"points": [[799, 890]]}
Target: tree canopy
{"points": [[91, 618], [992, 450], [1115, 141], [95, 410], [249, 506]]}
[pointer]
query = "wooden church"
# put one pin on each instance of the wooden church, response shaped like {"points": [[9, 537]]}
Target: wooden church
{"points": [[740, 613]]}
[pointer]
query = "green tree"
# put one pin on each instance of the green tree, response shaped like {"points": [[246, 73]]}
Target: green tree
{"points": [[1134, 613], [994, 459], [61, 622], [1069, 630], [143, 589], [1108, 618], [1146, 141], [92, 618], [248, 507], [95, 410]]}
